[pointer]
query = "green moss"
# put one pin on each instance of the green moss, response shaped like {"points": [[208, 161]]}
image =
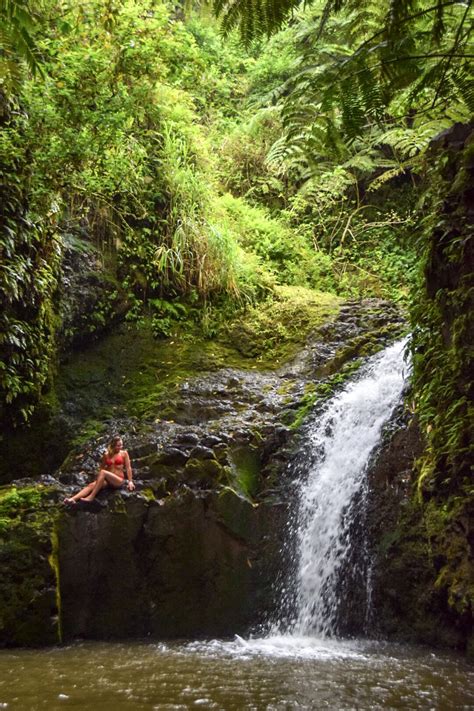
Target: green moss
{"points": [[148, 493], [410, 606], [132, 373], [53, 559], [446, 525], [88, 430], [28, 581], [322, 391], [366, 344], [15, 502], [245, 470], [442, 316], [272, 332], [204, 471]]}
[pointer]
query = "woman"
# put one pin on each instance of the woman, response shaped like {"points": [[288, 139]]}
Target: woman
{"points": [[113, 463]]}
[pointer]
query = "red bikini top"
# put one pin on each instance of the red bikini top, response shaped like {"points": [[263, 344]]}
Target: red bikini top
{"points": [[117, 460]]}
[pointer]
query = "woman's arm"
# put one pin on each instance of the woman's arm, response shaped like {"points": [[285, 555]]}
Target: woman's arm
{"points": [[128, 467]]}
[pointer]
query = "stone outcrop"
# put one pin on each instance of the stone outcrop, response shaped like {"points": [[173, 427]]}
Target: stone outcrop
{"points": [[196, 550], [133, 565], [406, 602], [186, 566]]}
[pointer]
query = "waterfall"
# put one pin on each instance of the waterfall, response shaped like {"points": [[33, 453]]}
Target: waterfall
{"points": [[332, 492]]}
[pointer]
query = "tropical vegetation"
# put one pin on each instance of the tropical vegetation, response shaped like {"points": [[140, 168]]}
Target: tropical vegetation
{"points": [[208, 157]]}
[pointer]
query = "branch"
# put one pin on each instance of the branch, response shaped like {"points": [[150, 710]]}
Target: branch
{"points": [[451, 53], [406, 19]]}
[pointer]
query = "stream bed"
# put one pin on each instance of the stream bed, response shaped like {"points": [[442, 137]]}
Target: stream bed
{"points": [[267, 673]]}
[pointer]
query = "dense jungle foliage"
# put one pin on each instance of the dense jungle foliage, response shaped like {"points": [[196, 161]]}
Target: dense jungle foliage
{"points": [[135, 133], [199, 171]]}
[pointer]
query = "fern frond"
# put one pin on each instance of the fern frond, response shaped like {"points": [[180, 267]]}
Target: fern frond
{"points": [[353, 115], [362, 162], [254, 18], [411, 141], [386, 176], [438, 24], [278, 152], [17, 25], [359, 106], [464, 82]]}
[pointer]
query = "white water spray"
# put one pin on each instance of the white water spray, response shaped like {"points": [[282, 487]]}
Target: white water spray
{"points": [[331, 494], [342, 441]]}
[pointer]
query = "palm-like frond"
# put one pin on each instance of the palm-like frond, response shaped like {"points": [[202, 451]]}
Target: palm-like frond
{"points": [[17, 25], [254, 17], [402, 79]]}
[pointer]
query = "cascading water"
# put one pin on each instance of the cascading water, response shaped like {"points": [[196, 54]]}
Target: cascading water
{"points": [[299, 669], [341, 442]]}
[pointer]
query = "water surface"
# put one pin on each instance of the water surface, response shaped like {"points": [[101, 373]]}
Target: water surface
{"points": [[272, 673]]}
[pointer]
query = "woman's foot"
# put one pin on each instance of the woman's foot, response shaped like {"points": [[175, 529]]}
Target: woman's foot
{"points": [[69, 502]]}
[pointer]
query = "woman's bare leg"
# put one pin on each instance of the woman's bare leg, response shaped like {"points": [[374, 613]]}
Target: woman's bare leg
{"points": [[80, 494], [105, 478]]}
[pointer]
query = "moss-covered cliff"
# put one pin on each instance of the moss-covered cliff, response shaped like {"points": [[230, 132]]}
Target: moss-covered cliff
{"points": [[425, 511], [197, 549], [30, 609], [443, 318], [181, 566]]}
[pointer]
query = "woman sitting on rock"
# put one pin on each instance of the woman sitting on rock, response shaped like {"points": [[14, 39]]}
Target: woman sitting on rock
{"points": [[113, 463]]}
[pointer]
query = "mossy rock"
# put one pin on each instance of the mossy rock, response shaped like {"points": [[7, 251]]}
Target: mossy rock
{"points": [[203, 470], [273, 331], [29, 613]]}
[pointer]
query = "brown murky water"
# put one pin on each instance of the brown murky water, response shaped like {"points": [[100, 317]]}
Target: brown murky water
{"points": [[275, 673]]}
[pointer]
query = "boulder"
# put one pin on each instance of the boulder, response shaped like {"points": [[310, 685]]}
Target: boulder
{"points": [[201, 452], [185, 565]]}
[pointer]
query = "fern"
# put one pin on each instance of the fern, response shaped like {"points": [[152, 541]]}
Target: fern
{"points": [[361, 83], [463, 81], [254, 17], [407, 78], [17, 26]]}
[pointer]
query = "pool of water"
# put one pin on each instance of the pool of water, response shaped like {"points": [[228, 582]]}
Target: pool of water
{"points": [[272, 673]]}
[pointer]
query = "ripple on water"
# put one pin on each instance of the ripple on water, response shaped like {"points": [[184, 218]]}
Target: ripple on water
{"points": [[274, 673], [278, 646]]}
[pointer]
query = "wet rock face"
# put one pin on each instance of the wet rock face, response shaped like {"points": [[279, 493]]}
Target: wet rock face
{"points": [[135, 565], [87, 307], [213, 414], [183, 567], [406, 603], [155, 391], [196, 549]]}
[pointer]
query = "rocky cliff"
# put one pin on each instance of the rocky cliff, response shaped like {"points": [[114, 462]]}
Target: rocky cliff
{"points": [[197, 549]]}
